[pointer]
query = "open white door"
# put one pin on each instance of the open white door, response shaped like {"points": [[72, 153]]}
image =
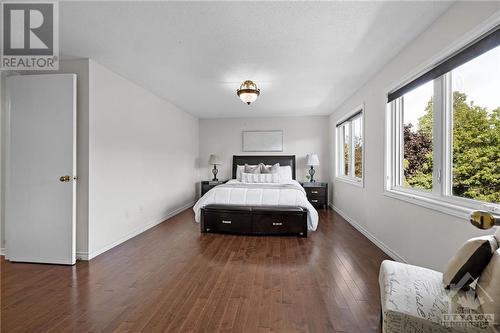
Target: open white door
{"points": [[41, 168]]}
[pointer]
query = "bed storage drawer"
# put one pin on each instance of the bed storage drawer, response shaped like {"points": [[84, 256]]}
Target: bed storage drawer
{"points": [[278, 223], [232, 221], [254, 220]]}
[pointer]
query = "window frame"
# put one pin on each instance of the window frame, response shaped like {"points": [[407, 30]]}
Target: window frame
{"points": [[348, 119], [440, 197]]}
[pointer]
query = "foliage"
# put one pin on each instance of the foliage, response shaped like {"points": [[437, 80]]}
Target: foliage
{"points": [[476, 151], [358, 157], [347, 153], [417, 163]]}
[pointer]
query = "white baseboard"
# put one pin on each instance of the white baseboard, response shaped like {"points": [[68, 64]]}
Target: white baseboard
{"points": [[2, 251], [82, 256], [387, 250], [87, 256]]}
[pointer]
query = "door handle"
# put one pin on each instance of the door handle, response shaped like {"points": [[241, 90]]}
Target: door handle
{"points": [[65, 178]]}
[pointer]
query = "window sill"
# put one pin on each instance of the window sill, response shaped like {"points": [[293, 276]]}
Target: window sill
{"points": [[441, 206], [352, 181]]}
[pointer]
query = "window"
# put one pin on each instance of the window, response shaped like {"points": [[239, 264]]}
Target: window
{"points": [[475, 120], [346, 139], [443, 138], [350, 148], [416, 110]]}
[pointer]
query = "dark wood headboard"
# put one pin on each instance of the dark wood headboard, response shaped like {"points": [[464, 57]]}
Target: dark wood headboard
{"points": [[283, 160]]}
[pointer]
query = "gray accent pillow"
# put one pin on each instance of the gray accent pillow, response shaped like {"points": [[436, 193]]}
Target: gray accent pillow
{"points": [[469, 262], [269, 169], [252, 168]]}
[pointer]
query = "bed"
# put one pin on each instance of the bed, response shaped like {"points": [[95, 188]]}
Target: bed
{"points": [[257, 208]]}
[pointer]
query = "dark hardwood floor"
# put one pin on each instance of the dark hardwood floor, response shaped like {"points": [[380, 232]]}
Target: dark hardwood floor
{"points": [[171, 278]]}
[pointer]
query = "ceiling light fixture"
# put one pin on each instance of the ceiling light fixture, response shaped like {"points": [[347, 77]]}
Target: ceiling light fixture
{"points": [[248, 92]]}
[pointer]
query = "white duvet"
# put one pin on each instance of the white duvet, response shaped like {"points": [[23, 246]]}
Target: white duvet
{"points": [[234, 192]]}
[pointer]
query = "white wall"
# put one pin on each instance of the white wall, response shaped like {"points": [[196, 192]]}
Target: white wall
{"points": [[418, 235], [142, 164], [301, 135]]}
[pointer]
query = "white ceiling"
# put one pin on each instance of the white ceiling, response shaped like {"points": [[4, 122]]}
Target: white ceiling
{"points": [[307, 57]]}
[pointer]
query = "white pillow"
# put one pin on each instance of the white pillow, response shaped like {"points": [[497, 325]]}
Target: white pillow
{"points": [[285, 172], [260, 177]]}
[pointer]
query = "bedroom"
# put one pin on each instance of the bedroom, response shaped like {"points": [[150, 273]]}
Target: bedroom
{"points": [[143, 113]]}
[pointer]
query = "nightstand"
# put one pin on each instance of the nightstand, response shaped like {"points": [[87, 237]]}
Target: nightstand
{"points": [[207, 185], [317, 193]]}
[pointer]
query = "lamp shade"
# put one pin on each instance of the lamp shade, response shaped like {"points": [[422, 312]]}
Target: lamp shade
{"points": [[214, 159], [312, 159]]}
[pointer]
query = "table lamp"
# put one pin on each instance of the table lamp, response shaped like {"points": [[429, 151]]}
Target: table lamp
{"points": [[214, 160], [312, 160]]}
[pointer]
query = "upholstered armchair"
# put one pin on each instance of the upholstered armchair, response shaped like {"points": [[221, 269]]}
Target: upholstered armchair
{"points": [[415, 300]]}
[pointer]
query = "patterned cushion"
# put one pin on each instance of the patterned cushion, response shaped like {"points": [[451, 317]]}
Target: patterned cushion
{"points": [[469, 261], [414, 300], [488, 289]]}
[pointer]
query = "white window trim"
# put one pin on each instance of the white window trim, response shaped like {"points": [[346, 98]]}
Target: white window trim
{"points": [[440, 198], [339, 163]]}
